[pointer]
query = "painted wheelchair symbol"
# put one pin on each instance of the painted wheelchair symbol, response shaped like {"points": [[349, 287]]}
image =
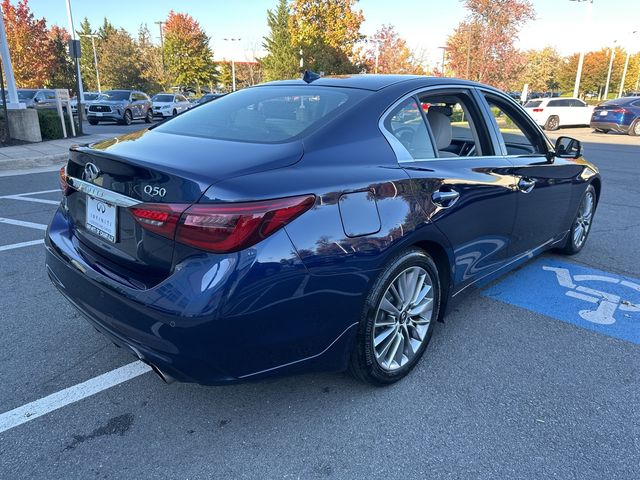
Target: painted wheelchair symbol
{"points": [[605, 303]]}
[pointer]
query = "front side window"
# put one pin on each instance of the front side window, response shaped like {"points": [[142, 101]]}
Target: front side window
{"points": [[26, 94], [267, 114], [519, 136]]}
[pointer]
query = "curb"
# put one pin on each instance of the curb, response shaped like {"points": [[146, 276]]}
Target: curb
{"points": [[33, 162]]}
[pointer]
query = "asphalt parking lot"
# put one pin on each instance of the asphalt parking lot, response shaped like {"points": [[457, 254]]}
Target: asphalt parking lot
{"points": [[536, 375]]}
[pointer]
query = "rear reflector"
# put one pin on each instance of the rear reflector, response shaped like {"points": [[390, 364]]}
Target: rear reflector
{"points": [[538, 110], [220, 228]]}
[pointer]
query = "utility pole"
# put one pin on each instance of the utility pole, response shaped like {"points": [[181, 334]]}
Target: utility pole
{"points": [[444, 51], [93, 36], [78, 77], [613, 54], [233, 63], [160, 23], [14, 102], [587, 22]]}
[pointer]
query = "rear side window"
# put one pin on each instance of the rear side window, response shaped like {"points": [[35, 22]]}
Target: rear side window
{"points": [[533, 103], [409, 131], [268, 114]]}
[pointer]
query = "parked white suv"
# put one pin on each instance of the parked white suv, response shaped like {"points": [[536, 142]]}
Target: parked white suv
{"points": [[553, 113], [169, 104]]}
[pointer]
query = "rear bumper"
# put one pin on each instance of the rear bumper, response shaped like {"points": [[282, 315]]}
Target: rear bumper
{"points": [[216, 319], [614, 127]]}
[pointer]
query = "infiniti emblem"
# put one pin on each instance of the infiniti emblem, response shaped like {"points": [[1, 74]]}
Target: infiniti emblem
{"points": [[91, 172]]}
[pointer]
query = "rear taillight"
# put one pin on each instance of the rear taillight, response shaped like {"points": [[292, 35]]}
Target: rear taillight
{"points": [[220, 228], [619, 110], [160, 218], [538, 110], [64, 181]]}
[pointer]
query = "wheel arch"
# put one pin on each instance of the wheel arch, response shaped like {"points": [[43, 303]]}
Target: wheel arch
{"points": [[445, 269]]}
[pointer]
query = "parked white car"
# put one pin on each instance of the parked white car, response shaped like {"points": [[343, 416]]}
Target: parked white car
{"points": [[553, 113], [169, 104]]}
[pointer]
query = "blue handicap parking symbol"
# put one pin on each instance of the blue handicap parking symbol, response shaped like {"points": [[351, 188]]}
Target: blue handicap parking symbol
{"points": [[586, 297]]}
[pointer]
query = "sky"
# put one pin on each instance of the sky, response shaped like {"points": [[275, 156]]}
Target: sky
{"points": [[425, 24]]}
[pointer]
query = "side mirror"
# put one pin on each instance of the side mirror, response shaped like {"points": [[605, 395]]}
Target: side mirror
{"points": [[567, 147]]}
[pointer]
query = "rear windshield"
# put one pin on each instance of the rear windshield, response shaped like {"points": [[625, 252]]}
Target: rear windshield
{"points": [[26, 94], [162, 98], [532, 104], [264, 114]]}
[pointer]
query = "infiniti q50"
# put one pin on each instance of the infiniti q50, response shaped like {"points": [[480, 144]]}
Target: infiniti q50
{"points": [[310, 225]]}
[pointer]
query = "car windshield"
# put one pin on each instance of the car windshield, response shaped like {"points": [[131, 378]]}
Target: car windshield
{"points": [[90, 96], [115, 95], [532, 104], [162, 98], [264, 114], [26, 94]]}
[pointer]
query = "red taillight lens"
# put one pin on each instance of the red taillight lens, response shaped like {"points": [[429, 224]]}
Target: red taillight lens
{"points": [[619, 110], [233, 227], [538, 110], [160, 218], [64, 184]]}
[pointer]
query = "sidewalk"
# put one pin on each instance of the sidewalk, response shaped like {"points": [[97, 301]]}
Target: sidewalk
{"points": [[42, 154]]}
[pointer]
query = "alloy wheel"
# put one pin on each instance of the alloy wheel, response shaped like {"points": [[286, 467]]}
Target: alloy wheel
{"points": [[636, 128], [583, 220], [403, 318]]}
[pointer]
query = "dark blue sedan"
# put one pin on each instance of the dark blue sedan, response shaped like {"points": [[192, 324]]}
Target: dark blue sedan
{"points": [[311, 225], [621, 115]]}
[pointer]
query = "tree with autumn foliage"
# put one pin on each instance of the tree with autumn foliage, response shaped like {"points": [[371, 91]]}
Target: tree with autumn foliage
{"points": [[62, 73], [393, 54], [482, 46], [32, 52], [328, 32], [120, 62], [188, 56]]}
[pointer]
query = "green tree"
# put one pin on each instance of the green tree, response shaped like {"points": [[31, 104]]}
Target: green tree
{"points": [[87, 64], [62, 69], [153, 73], [482, 46], [120, 62], [328, 32], [541, 70], [188, 57], [281, 61]]}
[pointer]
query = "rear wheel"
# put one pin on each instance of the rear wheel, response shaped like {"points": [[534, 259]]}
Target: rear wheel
{"points": [[148, 118], [634, 129], [398, 319], [174, 113], [552, 123], [581, 224], [93, 122]]}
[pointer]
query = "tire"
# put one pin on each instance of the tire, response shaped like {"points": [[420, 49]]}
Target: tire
{"points": [[552, 123], [583, 219], [127, 118], [93, 122], [148, 118], [174, 113], [634, 129], [374, 363]]}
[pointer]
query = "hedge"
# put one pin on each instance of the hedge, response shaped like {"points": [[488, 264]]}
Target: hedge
{"points": [[50, 127]]}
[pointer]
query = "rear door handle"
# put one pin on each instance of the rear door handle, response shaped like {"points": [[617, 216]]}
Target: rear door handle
{"points": [[445, 199], [525, 185]]}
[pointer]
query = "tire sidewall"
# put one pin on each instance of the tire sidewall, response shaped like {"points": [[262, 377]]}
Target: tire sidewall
{"points": [[127, 118], [633, 127], [364, 348], [547, 126], [570, 246]]}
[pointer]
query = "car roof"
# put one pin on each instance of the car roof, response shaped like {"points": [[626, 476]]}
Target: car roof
{"points": [[370, 81]]}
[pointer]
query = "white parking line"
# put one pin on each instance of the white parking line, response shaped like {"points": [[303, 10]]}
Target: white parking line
{"points": [[25, 413], [31, 193], [21, 223], [20, 245], [29, 199]]}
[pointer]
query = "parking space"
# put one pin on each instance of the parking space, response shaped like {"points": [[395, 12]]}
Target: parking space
{"points": [[536, 375]]}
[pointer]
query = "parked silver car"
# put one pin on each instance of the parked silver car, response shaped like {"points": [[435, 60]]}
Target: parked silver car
{"points": [[122, 106], [39, 98]]}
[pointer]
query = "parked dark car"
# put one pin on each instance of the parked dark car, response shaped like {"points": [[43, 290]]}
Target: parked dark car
{"points": [[294, 227], [621, 115], [122, 106], [207, 97]]}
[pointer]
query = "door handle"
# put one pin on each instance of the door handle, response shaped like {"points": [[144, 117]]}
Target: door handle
{"points": [[525, 186], [445, 199]]}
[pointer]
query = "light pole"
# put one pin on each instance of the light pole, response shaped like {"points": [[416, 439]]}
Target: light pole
{"points": [[8, 68], [626, 66], [444, 51], [233, 63], [613, 54], [78, 77], [587, 22], [160, 23], [93, 36]]}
